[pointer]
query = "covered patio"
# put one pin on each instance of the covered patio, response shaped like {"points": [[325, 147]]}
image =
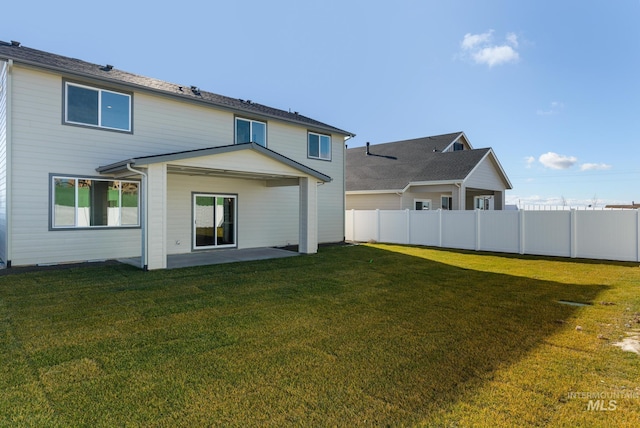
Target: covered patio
{"points": [[216, 257], [225, 174]]}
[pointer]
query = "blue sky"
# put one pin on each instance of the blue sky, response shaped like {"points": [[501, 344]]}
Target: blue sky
{"points": [[552, 86]]}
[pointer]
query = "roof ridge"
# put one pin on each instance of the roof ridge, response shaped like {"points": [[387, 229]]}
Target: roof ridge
{"points": [[74, 66], [452, 134]]}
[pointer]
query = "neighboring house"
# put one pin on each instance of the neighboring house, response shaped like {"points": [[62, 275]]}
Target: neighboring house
{"points": [[97, 163], [439, 172]]}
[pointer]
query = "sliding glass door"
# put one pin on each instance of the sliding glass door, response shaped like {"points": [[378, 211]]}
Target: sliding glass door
{"points": [[214, 221]]}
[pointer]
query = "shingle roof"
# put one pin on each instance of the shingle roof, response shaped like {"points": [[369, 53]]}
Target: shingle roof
{"points": [[75, 67], [392, 166]]}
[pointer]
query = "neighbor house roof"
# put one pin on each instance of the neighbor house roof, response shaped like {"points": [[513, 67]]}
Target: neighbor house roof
{"points": [[71, 67], [394, 166]]}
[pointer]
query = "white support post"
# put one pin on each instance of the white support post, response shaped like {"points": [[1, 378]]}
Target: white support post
{"points": [[638, 235], [308, 222], [440, 227], [521, 230], [157, 216], [477, 247], [353, 225], [573, 227], [408, 240]]}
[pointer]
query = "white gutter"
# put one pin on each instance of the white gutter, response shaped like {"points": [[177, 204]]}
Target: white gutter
{"points": [[144, 257], [371, 192], [459, 186]]}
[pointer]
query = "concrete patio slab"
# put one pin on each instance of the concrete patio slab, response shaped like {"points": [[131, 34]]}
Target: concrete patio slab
{"points": [[214, 257]]}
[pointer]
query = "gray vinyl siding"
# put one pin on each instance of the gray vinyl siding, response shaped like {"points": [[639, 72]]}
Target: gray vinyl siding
{"points": [[380, 201], [408, 199], [485, 176], [392, 201], [259, 209], [291, 141], [3, 161], [43, 145]]}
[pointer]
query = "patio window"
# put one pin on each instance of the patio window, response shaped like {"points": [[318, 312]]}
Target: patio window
{"points": [[481, 202], [446, 202], [87, 203]]}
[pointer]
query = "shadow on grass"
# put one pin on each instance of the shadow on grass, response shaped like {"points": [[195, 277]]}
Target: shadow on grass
{"points": [[350, 336], [534, 257]]}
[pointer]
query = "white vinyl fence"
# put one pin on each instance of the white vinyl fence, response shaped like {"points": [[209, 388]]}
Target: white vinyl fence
{"points": [[607, 235]]}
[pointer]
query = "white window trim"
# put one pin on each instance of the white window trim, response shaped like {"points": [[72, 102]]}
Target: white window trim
{"points": [[52, 179], [195, 247], [319, 157], [424, 201], [485, 202], [450, 197], [100, 91], [251, 122]]}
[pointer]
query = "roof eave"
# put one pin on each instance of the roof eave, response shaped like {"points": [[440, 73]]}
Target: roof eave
{"points": [[112, 81], [405, 188], [372, 192], [145, 161]]}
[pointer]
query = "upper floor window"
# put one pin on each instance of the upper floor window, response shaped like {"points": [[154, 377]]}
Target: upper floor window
{"points": [[251, 131], [87, 202], [101, 108], [319, 146], [458, 147]]}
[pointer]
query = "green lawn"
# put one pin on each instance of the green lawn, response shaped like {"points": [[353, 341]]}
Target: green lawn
{"points": [[370, 335]]}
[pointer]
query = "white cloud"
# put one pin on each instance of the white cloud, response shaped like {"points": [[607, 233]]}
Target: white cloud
{"points": [[594, 166], [482, 50], [496, 55], [554, 108], [555, 161], [529, 160], [470, 41]]}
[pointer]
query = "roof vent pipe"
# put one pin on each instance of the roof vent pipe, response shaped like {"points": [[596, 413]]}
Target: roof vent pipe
{"points": [[368, 149], [14, 43]]}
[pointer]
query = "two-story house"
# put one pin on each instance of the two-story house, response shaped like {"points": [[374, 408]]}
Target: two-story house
{"points": [[98, 163]]}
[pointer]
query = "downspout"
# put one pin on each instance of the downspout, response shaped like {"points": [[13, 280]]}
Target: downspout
{"points": [[459, 186], [344, 186], [144, 258], [9, 163], [400, 194]]}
